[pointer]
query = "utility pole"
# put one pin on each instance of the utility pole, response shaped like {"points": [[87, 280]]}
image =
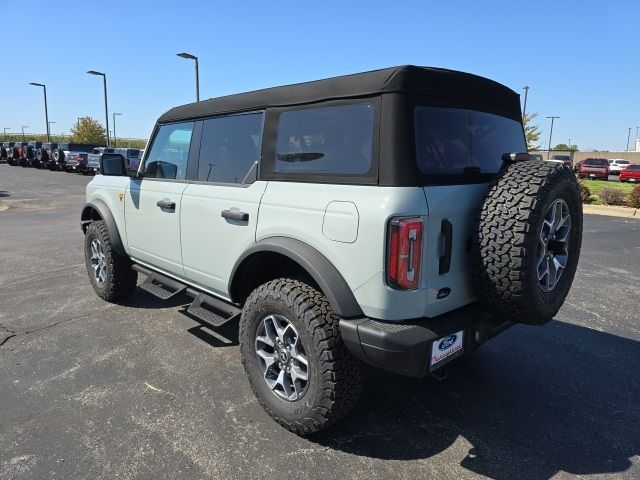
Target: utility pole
{"points": [[628, 137], [526, 93], [550, 134]]}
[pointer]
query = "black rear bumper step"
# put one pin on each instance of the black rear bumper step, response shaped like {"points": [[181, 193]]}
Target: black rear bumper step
{"points": [[159, 285], [210, 310], [405, 347]]}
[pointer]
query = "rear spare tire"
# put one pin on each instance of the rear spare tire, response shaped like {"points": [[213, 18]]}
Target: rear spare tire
{"points": [[526, 241]]}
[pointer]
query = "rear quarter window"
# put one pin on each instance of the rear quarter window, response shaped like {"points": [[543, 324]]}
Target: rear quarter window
{"points": [[327, 140], [452, 141]]}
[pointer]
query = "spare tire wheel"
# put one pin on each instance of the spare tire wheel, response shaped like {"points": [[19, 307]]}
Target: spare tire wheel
{"points": [[526, 241]]}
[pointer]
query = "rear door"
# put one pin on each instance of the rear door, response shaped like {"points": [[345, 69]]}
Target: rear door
{"points": [[459, 151], [153, 203], [220, 208]]}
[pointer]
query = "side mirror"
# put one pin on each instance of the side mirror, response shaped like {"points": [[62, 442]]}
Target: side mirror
{"points": [[113, 164], [515, 157]]}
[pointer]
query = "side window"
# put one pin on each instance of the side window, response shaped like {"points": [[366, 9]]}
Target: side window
{"points": [[230, 148], [325, 140], [170, 152]]}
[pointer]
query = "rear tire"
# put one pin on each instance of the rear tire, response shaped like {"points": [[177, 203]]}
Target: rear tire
{"points": [[517, 242], [110, 273], [334, 377]]}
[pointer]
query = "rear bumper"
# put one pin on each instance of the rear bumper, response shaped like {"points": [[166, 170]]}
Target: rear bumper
{"points": [[405, 347]]}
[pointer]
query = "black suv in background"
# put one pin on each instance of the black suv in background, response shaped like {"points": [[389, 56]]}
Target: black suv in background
{"points": [[28, 158], [43, 154], [4, 151]]}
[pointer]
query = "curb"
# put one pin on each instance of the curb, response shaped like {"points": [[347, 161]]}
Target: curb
{"points": [[623, 212]]}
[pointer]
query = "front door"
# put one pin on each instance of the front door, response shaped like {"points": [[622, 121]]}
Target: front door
{"points": [[220, 210], [153, 203]]}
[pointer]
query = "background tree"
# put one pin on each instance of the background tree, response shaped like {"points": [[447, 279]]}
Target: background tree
{"points": [[88, 130], [531, 131], [566, 148]]}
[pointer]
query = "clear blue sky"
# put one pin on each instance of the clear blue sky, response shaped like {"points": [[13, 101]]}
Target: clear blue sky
{"points": [[580, 58]]}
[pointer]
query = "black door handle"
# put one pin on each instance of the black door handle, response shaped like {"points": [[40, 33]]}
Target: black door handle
{"points": [[446, 230], [166, 204], [235, 215]]}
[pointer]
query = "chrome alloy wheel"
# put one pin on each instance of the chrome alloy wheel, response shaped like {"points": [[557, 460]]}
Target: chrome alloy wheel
{"points": [[553, 245], [98, 261], [282, 357]]}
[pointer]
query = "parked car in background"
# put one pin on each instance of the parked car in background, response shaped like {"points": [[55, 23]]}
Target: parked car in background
{"points": [[15, 153], [576, 166], [564, 159], [29, 158], [631, 173], [536, 156], [594, 168], [43, 154], [616, 165], [4, 151], [71, 156]]}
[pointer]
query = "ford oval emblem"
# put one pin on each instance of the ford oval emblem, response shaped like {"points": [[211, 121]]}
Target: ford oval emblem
{"points": [[447, 341], [443, 293]]}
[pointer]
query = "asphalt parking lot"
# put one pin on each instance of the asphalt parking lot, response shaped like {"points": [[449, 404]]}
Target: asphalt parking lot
{"points": [[94, 390]]}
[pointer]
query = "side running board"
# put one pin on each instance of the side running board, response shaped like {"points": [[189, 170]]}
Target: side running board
{"points": [[210, 310], [159, 285]]}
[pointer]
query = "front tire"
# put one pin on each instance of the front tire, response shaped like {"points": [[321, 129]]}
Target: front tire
{"points": [[292, 352], [110, 273]]}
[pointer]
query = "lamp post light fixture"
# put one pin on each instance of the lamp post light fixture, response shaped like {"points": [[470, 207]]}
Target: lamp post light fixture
{"points": [[526, 94], [115, 138], [106, 107], [23, 127], [46, 110], [188, 56], [550, 134]]}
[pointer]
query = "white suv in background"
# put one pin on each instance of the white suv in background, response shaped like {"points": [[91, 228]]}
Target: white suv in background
{"points": [[616, 165], [387, 217]]}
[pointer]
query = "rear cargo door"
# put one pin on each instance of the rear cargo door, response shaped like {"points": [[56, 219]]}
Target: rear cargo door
{"points": [[459, 151]]}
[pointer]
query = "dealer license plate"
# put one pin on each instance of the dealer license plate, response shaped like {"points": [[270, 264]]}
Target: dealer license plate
{"points": [[446, 349]]}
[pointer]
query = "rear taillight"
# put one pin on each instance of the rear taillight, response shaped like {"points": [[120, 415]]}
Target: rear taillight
{"points": [[405, 253]]}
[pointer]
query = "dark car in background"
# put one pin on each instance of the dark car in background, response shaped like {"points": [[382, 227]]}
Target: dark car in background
{"points": [[536, 156], [4, 151], [43, 154], [594, 168], [631, 173], [564, 159], [29, 153], [15, 153]]}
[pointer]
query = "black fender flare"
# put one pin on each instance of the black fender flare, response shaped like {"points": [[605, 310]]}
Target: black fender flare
{"points": [[106, 216], [323, 272]]}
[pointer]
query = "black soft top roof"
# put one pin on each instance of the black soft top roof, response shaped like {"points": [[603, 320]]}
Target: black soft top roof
{"points": [[424, 81]]}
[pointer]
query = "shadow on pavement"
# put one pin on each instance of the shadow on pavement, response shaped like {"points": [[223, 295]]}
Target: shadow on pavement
{"points": [[4, 193], [535, 402]]}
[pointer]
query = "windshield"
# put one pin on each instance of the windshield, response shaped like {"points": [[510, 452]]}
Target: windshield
{"points": [[457, 141]]}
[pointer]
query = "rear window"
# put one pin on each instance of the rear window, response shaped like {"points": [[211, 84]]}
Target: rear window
{"points": [[132, 152], [328, 140], [562, 157], [452, 141], [596, 161], [633, 167], [622, 162]]}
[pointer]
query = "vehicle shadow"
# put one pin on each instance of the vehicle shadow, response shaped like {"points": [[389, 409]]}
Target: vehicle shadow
{"points": [[4, 193], [531, 403]]}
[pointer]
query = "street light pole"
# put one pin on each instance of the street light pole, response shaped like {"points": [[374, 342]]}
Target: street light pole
{"points": [[550, 134], [106, 105], [46, 110], [628, 137], [115, 137], [50, 127], [5, 132], [23, 127], [193, 57], [569, 144], [526, 94]]}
